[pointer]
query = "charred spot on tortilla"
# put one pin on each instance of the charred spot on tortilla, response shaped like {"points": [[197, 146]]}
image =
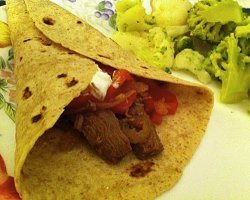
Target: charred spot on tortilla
{"points": [[44, 108], [177, 170], [36, 118], [199, 92], [27, 93], [62, 75], [49, 21], [21, 58], [26, 40], [45, 42], [79, 22], [144, 67], [71, 52], [72, 82], [141, 169], [102, 56]]}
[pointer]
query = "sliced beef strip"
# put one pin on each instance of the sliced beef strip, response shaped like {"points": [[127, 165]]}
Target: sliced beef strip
{"points": [[102, 131], [135, 126], [137, 117], [151, 147]]}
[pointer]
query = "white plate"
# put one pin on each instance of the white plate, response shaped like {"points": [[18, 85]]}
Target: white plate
{"points": [[220, 168]]}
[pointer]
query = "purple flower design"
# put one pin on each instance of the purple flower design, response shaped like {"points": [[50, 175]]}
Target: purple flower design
{"points": [[105, 10]]}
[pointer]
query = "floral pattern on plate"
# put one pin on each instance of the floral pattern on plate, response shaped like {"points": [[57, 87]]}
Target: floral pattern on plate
{"points": [[7, 112], [105, 10], [100, 14], [7, 84]]}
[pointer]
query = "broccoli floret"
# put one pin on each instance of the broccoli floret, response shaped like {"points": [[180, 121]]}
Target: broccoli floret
{"points": [[212, 20], [244, 44], [243, 30], [176, 31], [183, 42], [231, 64], [192, 61], [243, 33]]}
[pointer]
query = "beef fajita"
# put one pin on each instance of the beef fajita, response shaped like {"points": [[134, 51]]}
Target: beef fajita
{"points": [[75, 142], [122, 116]]}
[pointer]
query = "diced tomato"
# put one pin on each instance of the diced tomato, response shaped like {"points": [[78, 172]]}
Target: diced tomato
{"points": [[119, 78], [161, 107], [156, 118], [157, 92], [165, 102], [172, 107], [127, 86], [149, 105], [122, 84], [158, 102], [162, 96], [111, 93], [123, 107]]}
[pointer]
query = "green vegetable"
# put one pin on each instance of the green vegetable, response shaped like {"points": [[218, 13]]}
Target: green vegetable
{"points": [[192, 61], [230, 62], [243, 30], [183, 42], [131, 16], [202, 46], [160, 49], [243, 33], [212, 20], [168, 70], [124, 5], [154, 46], [175, 31]]}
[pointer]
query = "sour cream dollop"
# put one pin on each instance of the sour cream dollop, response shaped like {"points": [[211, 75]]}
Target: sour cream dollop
{"points": [[100, 84]]}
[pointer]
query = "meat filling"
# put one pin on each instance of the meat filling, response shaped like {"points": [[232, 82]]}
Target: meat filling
{"points": [[102, 131], [141, 132]]}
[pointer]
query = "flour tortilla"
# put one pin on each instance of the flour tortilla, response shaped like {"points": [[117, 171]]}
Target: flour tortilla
{"points": [[46, 167]]}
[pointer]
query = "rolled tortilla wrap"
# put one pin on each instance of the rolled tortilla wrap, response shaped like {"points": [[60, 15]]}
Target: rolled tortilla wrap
{"points": [[45, 170]]}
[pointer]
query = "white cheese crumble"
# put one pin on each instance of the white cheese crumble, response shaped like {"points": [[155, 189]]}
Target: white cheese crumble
{"points": [[100, 84]]}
